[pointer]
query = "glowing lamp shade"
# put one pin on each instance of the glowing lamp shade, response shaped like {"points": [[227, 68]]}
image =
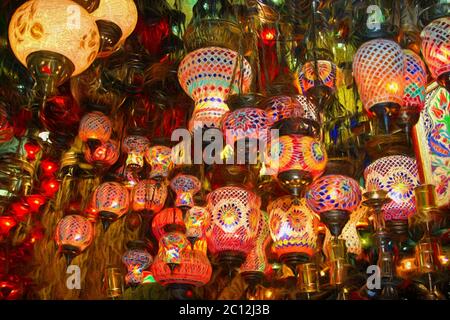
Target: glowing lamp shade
{"points": [[136, 261], [160, 160], [55, 39], [106, 154], [111, 201], [95, 126], [378, 69], [74, 233], [233, 223], [293, 228], [135, 147], [172, 245], [185, 186], [6, 129], [166, 220], [116, 20], [149, 196], [436, 49], [398, 176], [209, 75], [196, 221]]}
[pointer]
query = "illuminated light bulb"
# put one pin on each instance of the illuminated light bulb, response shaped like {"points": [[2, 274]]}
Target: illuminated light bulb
{"points": [[6, 224], [111, 200], [35, 202], [48, 167], [49, 187], [32, 149], [55, 39]]}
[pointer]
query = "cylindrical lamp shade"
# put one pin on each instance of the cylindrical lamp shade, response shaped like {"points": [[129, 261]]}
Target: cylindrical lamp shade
{"points": [[55, 26], [415, 82], [136, 261], [106, 154], [209, 75], [398, 176], [436, 49], [233, 220], [378, 68], [196, 221], [160, 160], [95, 126], [74, 233], [149, 195], [293, 227], [111, 201], [245, 123], [169, 218], [185, 186], [135, 147]]}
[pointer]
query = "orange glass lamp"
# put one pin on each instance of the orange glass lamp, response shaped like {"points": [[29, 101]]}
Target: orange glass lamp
{"points": [[293, 228], [74, 233], [233, 224], [135, 147], [334, 198], [196, 221], [435, 49], [95, 128], [105, 155], [167, 220], [111, 201], [54, 39], [378, 69], [209, 75], [116, 20], [185, 186], [296, 161], [148, 196], [160, 160]]}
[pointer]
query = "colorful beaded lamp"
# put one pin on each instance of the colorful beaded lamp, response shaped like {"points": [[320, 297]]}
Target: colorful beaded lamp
{"points": [[196, 221], [135, 147], [293, 228], [74, 233], [111, 201], [160, 160], [94, 129], [149, 196], [169, 219], [209, 75], [185, 186], [378, 69], [334, 197], [398, 176], [172, 245], [233, 224], [296, 161], [105, 155], [136, 261]]}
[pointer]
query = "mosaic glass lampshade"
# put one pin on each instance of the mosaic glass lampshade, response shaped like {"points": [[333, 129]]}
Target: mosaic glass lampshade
{"points": [[135, 147], [196, 221], [378, 68], [436, 50], [293, 228], [111, 201], [94, 129], [74, 233], [233, 223], [136, 261], [116, 20], [334, 197], [398, 176], [172, 245], [105, 155], [209, 75], [185, 186], [160, 160], [149, 196], [54, 39], [169, 219], [296, 160]]}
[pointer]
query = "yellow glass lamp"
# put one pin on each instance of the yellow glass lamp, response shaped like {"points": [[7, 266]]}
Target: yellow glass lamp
{"points": [[54, 39]]}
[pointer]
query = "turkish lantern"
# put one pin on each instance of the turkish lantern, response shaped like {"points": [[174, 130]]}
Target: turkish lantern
{"points": [[196, 221], [167, 220], [54, 39], [398, 176], [296, 161], [185, 186], [104, 155], [160, 160], [172, 245], [74, 233], [136, 260], [209, 75], [111, 201], [95, 128], [293, 228], [334, 198], [233, 224], [116, 20], [135, 147], [149, 196], [378, 68], [435, 49]]}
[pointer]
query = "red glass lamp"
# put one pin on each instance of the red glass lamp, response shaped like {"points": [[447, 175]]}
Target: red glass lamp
{"points": [[185, 186], [167, 220], [149, 196], [111, 201], [95, 128]]}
